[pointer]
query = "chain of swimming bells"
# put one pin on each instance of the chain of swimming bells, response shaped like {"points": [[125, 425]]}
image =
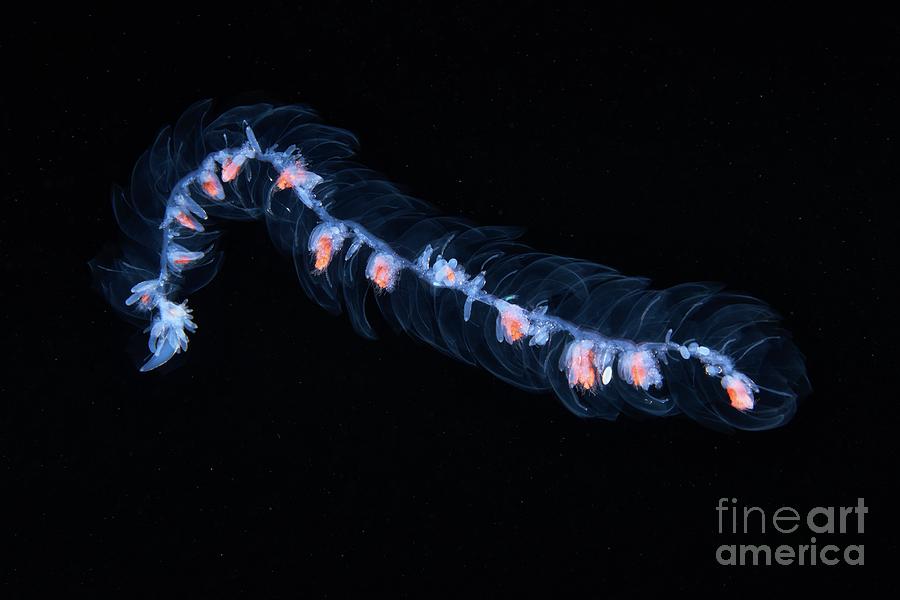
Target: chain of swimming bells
{"points": [[588, 359]]}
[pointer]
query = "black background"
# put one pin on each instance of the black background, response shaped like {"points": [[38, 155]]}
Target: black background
{"points": [[287, 454]]}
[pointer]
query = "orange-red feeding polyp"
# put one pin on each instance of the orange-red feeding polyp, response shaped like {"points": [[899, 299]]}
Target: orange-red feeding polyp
{"points": [[382, 271], [581, 369], [185, 220], [324, 247], [638, 371], [290, 177], [738, 394], [382, 276], [513, 325], [210, 187], [230, 170]]}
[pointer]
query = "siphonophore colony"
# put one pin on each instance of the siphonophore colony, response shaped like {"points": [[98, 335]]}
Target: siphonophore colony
{"points": [[605, 343]]}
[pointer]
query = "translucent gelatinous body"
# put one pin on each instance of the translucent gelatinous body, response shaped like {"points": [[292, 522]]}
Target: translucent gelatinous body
{"points": [[605, 343]]}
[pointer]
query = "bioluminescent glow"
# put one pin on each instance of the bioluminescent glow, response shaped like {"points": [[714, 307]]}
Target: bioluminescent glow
{"points": [[602, 341]]}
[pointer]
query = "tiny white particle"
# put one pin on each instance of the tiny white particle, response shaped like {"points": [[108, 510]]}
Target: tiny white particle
{"points": [[607, 375]]}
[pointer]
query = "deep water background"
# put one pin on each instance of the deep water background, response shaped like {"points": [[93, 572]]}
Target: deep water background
{"points": [[287, 454]]}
